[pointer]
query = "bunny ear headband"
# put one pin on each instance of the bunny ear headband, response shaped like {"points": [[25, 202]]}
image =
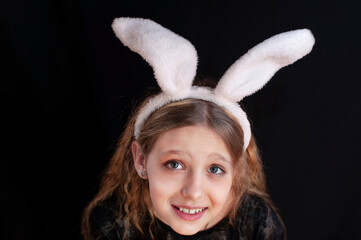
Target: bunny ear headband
{"points": [[174, 62]]}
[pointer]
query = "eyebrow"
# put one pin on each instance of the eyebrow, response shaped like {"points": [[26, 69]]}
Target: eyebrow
{"points": [[215, 155], [175, 152], [220, 157]]}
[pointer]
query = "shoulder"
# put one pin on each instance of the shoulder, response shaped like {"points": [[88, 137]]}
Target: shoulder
{"points": [[258, 219], [104, 221], [108, 223]]}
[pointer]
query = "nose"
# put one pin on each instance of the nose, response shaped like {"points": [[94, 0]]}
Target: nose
{"points": [[193, 186]]}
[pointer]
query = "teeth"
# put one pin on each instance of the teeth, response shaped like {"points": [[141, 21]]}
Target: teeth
{"points": [[190, 211]]}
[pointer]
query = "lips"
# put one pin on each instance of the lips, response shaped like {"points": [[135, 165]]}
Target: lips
{"points": [[189, 213]]}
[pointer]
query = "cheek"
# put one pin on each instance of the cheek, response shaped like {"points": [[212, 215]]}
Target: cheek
{"points": [[162, 186], [220, 193]]}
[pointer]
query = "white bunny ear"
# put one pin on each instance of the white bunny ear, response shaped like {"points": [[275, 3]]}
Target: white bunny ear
{"points": [[254, 69], [173, 58], [174, 62]]}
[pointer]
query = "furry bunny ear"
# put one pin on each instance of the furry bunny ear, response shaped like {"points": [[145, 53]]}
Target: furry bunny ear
{"points": [[254, 69], [174, 61], [173, 58]]}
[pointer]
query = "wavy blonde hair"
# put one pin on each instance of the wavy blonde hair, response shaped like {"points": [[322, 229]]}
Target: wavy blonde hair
{"points": [[120, 179]]}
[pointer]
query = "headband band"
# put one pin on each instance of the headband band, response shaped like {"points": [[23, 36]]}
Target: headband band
{"points": [[174, 62]]}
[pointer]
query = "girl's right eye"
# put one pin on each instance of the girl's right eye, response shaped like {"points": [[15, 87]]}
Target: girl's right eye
{"points": [[174, 165]]}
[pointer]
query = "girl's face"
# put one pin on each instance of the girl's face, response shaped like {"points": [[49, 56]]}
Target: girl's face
{"points": [[190, 177]]}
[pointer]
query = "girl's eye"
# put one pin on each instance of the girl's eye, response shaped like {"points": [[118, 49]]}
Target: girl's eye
{"points": [[216, 170], [174, 165]]}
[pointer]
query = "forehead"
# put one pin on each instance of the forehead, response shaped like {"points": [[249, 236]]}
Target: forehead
{"points": [[198, 141], [191, 133]]}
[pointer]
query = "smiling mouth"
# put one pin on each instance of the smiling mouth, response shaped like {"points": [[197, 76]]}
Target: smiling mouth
{"points": [[190, 211]]}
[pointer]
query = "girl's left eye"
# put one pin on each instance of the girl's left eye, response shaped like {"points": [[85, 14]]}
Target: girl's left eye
{"points": [[216, 170], [174, 165]]}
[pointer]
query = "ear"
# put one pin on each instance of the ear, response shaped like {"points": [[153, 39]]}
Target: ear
{"points": [[138, 158], [172, 57], [254, 69]]}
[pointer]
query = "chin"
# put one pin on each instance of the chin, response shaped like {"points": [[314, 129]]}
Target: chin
{"points": [[186, 230]]}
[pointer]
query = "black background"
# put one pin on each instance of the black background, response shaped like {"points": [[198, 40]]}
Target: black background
{"points": [[68, 85]]}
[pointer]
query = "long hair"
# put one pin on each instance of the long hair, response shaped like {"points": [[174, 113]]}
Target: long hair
{"points": [[121, 181]]}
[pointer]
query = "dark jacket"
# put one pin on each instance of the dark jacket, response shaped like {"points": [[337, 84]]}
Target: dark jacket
{"points": [[256, 220]]}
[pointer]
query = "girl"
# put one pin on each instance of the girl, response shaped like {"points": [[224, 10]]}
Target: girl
{"points": [[186, 165]]}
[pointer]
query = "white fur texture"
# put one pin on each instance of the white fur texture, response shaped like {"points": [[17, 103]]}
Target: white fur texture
{"points": [[173, 58], [174, 61], [254, 69], [203, 93]]}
